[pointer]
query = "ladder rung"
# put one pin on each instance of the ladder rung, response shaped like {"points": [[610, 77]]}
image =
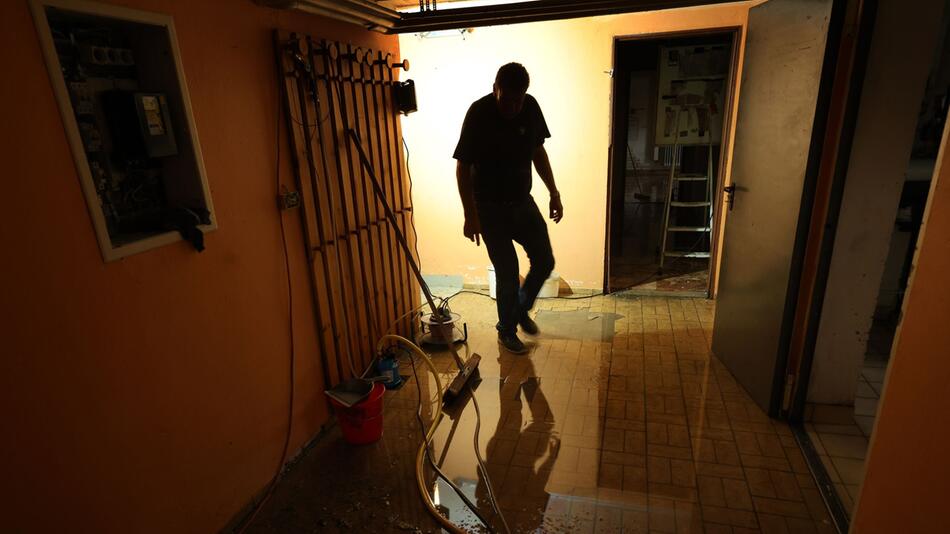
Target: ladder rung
{"points": [[688, 229], [688, 204], [684, 254], [690, 178]]}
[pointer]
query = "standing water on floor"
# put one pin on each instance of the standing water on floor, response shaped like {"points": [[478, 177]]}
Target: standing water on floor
{"points": [[634, 429]]}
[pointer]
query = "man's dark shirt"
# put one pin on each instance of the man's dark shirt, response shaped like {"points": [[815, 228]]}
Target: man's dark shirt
{"points": [[501, 150]]}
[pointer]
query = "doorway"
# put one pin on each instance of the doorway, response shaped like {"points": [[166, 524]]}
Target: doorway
{"points": [[757, 260], [843, 395], [671, 94]]}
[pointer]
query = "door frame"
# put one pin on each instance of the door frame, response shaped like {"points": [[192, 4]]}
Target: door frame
{"points": [[784, 383], [736, 34], [845, 103], [817, 266]]}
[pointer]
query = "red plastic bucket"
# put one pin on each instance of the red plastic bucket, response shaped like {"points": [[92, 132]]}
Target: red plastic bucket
{"points": [[362, 423]]}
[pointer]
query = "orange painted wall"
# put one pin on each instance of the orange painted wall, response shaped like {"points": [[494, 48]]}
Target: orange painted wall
{"points": [[907, 481], [569, 63], [151, 394]]}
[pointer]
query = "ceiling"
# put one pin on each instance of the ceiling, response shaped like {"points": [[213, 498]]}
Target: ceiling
{"points": [[399, 4], [403, 4], [380, 15]]}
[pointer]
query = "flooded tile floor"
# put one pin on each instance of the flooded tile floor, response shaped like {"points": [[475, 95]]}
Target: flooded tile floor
{"points": [[619, 420], [682, 276]]}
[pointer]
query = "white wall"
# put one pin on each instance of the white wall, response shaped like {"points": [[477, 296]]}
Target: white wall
{"points": [[569, 63]]}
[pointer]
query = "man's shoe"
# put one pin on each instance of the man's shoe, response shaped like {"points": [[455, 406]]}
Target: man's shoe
{"points": [[528, 326], [512, 343]]}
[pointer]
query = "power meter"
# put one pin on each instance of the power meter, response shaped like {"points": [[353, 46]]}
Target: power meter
{"points": [[140, 124]]}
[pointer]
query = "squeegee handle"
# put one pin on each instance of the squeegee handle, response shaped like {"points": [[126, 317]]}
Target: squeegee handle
{"points": [[392, 218]]}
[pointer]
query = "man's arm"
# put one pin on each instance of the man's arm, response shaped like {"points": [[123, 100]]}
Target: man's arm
{"points": [[463, 174], [543, 166]]}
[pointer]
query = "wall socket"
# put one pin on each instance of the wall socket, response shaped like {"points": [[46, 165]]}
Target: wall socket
{"points": [[288, 200]]}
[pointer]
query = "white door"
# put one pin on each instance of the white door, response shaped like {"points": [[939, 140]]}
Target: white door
{"points": [[785, 48]]}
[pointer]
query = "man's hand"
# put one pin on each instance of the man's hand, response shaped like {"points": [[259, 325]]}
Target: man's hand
{"points": [[543, 166], [556, 209], [473, 229]]}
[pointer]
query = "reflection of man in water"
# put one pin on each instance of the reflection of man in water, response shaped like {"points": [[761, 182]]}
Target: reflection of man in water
{"points": [[503, 134], [520, 458]]}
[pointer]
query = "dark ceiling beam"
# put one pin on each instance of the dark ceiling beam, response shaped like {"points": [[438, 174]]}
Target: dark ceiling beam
{"points": [[373, 16], [541, 10], [365, 13]]}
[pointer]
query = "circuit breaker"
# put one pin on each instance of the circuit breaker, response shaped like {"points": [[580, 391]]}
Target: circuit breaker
{"points": [[132, 125]]}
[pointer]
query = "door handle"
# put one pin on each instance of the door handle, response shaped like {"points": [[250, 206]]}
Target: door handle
{"points": [[730, 195]]}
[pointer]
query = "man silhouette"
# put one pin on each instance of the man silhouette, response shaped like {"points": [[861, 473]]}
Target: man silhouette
{"points": [[503, 134]]}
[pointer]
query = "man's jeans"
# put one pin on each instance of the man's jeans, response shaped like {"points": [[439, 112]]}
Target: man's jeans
{"points": [[502, 224]]}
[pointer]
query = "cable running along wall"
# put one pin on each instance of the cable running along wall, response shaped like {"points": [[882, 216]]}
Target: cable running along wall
{"points": [[362, 282]]}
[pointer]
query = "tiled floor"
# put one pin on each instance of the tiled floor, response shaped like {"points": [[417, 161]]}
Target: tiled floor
{"points": [[684, 277], [842, 445], [841, 433], [870, 385], [619, 420]]}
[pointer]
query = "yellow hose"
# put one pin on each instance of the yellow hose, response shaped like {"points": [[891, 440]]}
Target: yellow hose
{"points": [[420, 479]]}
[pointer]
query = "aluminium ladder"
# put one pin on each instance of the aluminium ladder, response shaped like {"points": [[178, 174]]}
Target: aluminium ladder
{"points": [[675, 207]]}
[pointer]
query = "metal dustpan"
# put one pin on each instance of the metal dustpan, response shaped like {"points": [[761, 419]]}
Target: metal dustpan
{"points": [[353, 390]]}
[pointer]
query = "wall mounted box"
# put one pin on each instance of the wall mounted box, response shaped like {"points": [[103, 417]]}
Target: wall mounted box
{"points": [[118, 78], [406, 97]]}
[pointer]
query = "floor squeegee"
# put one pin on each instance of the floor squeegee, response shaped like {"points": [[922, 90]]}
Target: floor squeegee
{"points": [[441, 323]]}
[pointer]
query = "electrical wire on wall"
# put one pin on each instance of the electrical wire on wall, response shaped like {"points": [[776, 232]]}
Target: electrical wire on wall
{"points": [[415, 233], [293, 348]]}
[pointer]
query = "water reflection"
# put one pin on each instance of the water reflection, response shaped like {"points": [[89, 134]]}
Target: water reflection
{"points": [[527, 444], [638, 431]]}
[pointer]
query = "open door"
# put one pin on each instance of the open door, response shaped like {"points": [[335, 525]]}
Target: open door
{"points": [[785, 49]]}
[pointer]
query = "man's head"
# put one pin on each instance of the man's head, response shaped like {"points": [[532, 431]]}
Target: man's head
{"points": [[511, 84]]}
